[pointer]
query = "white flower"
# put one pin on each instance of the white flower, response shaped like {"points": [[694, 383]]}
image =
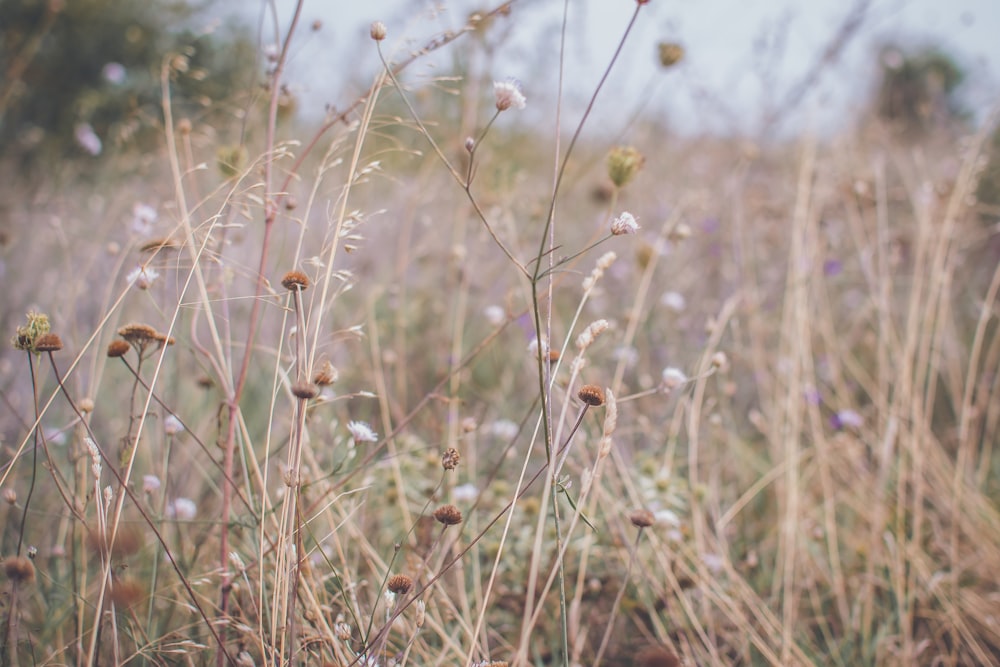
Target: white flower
{"points": [[150, 483], [362, 432], [508, 94], [142, 277], [624, 224], [675, 301], [665, 517], [504, 429], [88, 139], [673, 378], [465, 493], [183, 509], [113, 73], [495, 315], [143, 219], [172, 425]]}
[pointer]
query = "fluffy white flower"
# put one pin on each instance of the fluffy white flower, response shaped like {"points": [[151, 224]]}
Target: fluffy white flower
{"points": [[624, 224], [673, 378], [172, 425], [143, 277], [362, 432], [88, 139], [143, 218], [508, 95], [675, 301], [183, 509], [150, 483], [465, 493]]}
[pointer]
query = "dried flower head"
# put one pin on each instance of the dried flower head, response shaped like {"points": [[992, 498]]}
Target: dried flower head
{"points": [[118, 348], [624, 224], [450, 459], [48, 342], [624, 162], [86, 405], [138, 335], [305, 390], [377, 31], [25, 336], [671, 53], [326, 374], [720, 361], [642, 518], [126, 592], [449, 515], [19, 570], [591, 394], [508, 95], [400, 584], [128, 540], [295, 281]]}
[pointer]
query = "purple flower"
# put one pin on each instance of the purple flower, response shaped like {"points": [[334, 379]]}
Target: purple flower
{"points": [[832, 267]]}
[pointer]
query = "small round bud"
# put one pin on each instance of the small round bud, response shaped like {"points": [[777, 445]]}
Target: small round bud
{"points": [[317, 25], [117, 348], [720, 361], [624, 162], [86, 405], [400, 584], [450, 459], [304, 390], [48, 342], [449, 515], [19, 570], [470, 144], [378, 31], [642, 518], [591, 394]]}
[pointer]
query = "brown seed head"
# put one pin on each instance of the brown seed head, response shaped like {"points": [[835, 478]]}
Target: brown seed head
{"points": [[642, 518], [670, 54], [591, 394], [138, 334], [450, 459], [126, 592], [295, 281], [49, 342], [326, 374], [19, 570], [400, 584], [449, 515], [305, 390], [117, 348]]}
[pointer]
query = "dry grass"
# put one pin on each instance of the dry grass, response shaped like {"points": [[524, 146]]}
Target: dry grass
{"points": [[257, 477]]}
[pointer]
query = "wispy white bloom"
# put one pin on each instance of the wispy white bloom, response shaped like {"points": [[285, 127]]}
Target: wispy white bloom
{"points": [[665, 517], [465, 493], [675, 301], [508, 95], [172, 425], [495, 315], [183, 509], [143, 218], [113, 73], [150, 483], [504, 429], [624, 224], [362, 432], [673, 378], [143, 277], [88, 139]]}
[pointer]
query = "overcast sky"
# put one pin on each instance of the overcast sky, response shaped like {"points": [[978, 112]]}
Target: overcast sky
{"points": [[744, 57]]}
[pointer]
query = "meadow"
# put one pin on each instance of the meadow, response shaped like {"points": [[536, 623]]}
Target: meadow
{"points": [[426, 384]]}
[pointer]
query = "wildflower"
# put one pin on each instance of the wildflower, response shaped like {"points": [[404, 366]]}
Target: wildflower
{"points": [[150, 484], [172, 425], [113, 73], [377, 31], [183, 509], [623, 163], [48, 342], [88, 139], [400, 584], [671, 53], [143, 219], [450, 459], [847, 419], [19, 570], [672, 378], [642, 518], [142, 277], [504, 429], [508, 94], [465, 493], [675, 301], [591, 394], [720, 361], [86, 405], [495, 315], [362, 432], [295, 281], [448, 515], [624, 224]]}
